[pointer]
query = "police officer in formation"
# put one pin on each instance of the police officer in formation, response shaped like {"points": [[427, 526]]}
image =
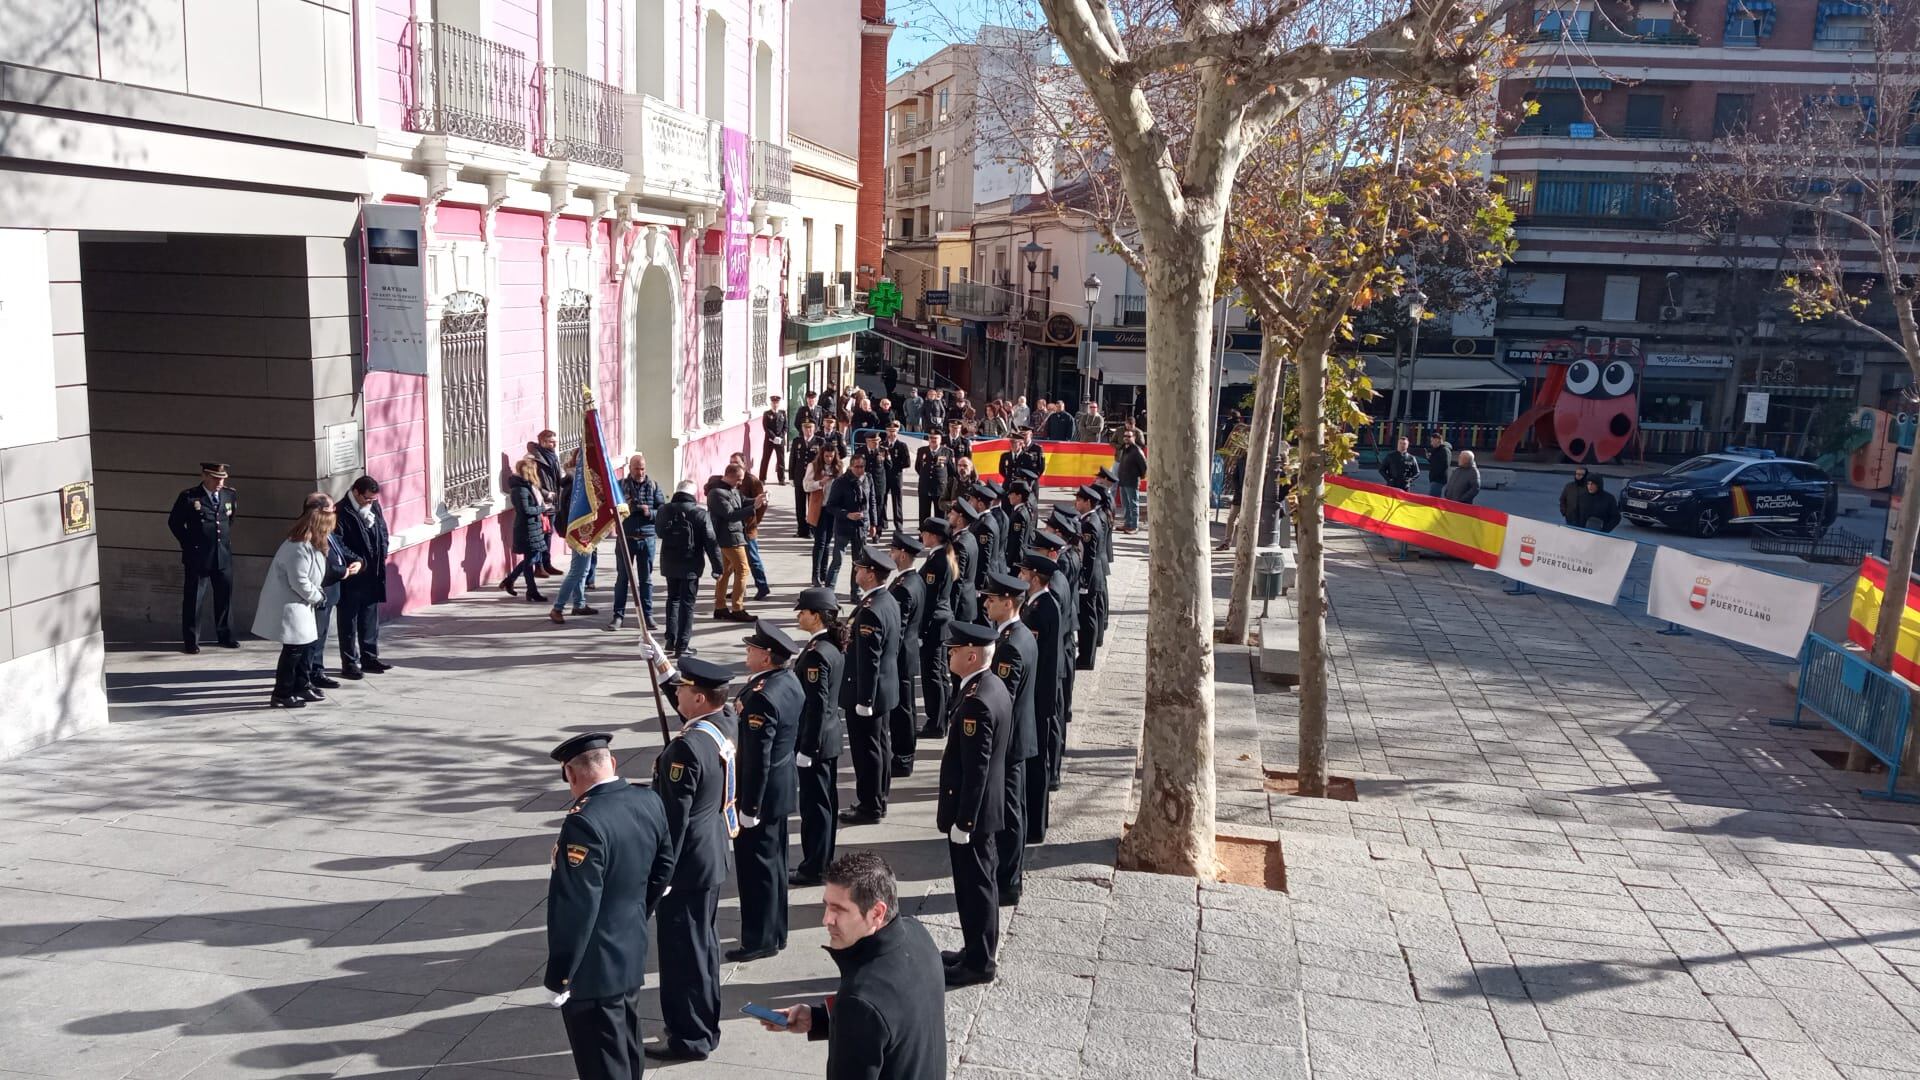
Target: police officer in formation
{"points": [[695, 778], [1040, 611], [611, 865], [966, 560], [1015, 659], [937, 572], [1025, 460], [990, 534], [872, 682], [1018, 506], [1066, 532], [1093, 574], [910, 593], [933, 463], [816, 751], [770, 708], [201, 522], [972, 804]]}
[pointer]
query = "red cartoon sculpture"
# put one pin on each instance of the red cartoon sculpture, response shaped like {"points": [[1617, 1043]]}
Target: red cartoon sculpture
{"points": [[1590, 408]]}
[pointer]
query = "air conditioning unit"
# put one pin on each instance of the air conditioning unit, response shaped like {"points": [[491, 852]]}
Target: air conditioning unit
{"points": [[1669, 313], [836, 297], [1848, 365]]}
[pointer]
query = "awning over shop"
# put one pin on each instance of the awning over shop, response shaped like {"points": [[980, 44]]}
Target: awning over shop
{"points": [[1128, 367], [1442, 373], [914, 339], [826, 327]]}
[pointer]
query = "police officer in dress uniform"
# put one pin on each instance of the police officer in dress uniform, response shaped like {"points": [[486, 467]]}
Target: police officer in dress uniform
{"points": [[966, 560], [936, 577], [1023, 460], [987, 532], [1093, 574], [611, 865], [1017, 504], [816, 752], [769, 707], [872, 682], [695, 778], [933, 463], [805, 446], [972, 804], [1040, 611], [202, 524], [910, 593], [1016, 658], [876, 457], [1065, 530]]}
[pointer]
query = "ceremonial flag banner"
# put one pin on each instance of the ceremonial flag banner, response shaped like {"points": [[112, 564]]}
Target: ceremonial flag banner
{"points": [[1869, 591], [1473, 533], [1069, 464], [1739, 603], [1589, 565], [593, 509]]}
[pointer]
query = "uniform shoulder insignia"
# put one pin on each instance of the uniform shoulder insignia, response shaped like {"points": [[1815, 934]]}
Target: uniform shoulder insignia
{"points": [[1005, 669], [756, 721], [579, 806], [675, 771], [813, 674], [970, 725], [865, 629], [576, 854]]}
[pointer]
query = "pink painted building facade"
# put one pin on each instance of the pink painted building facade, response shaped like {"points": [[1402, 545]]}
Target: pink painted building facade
{"points": [[603, 187]]}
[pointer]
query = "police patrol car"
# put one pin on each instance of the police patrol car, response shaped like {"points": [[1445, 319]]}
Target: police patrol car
{"points": [[1738, 486]]}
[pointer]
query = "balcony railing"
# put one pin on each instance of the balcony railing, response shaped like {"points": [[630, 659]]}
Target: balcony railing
{"points": [[672, 154], [582, 119], [772, 173], [1130, 309], [468, 86], [1587, 129], [980, 300], [908, 189], [1603, 33]]}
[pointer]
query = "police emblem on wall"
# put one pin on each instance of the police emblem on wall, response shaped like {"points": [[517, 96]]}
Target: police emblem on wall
{"points": [[1698, 598], [1527, 549], [76, 508]]}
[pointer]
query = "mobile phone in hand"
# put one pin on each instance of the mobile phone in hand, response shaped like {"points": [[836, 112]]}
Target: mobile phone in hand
{"points": [[761, 1012]]}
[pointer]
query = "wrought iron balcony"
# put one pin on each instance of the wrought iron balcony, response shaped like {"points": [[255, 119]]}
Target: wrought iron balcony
{"points": [[672, 155], [466, 85], [980, 300], [772, 173], [581, 119], [1130, 309]]}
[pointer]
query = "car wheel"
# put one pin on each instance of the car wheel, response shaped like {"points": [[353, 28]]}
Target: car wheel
{"points": [[1708, 523]]}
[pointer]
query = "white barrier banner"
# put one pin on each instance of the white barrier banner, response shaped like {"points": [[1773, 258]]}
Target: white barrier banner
{"points": [[1739, 603], [1589, 565]]}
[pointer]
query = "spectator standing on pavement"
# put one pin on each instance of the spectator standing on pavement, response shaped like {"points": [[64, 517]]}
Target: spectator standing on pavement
{"points": [[1570, 497], [1598, 509], [754, 492], [580, 568], [644, 501], [934, 412], [862, 419], [1129, 469], [529, 528], [1021, 413], [898, 458], [910, 409], [341, 565], [1090, 425], [1439, 458], [821, 473], [545, 450], [773, 440], [686, 546], [730, 513], [885, 414], [1060, 426], [292, 591], [1463, 483], [888, 1018], [362, 531], [1398, 467]]}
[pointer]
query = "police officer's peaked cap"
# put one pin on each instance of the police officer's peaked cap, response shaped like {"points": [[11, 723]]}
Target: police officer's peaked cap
{"points": [[1087, 492], [966, 633], [1019, 487], [1107, 474], [875, 557], [999, 584], [771, 638], [1044, 565], [934, 526], [580, 744], [966, 509], [908, 544], [1067, 521], [818, 600], [213, 468], [1047, 540], [981, 490], [704, 673]]}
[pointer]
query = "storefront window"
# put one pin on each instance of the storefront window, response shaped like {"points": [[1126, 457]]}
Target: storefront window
{"points": [[1674, 406], [1476, 406]]}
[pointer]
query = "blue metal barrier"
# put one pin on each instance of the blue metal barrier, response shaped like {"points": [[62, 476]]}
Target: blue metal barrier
{"points": [[1867, 705]]}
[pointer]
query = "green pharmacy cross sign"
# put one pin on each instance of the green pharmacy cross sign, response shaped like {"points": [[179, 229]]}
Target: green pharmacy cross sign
{"points": [[884, 299]]}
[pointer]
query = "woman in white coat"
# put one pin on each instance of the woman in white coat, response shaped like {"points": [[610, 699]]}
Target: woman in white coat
{"points": [[288, 599]]}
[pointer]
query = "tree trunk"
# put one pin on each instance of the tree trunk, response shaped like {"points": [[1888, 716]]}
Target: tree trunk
{"points": [[1893, 602], [1310, 577], [1173, 832], [1253, 490]]}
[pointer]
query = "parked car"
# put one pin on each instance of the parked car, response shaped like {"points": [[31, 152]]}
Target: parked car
{"points": [[1738, 486]]}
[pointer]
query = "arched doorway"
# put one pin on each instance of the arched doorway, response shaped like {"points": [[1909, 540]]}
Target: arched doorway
{"points": [[655, 369]]}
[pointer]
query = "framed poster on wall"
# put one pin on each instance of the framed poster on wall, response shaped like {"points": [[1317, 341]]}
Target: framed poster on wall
{"points": [[27, 409]]}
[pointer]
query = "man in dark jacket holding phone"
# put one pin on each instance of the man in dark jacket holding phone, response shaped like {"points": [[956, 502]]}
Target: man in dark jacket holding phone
{"points": [[686, 543]]}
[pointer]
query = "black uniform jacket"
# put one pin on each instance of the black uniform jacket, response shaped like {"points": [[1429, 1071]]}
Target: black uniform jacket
{"points": [[936, 580], [973, 768], [611, 864], [873, 656], [202, 524], [934, 467], [910, 594], [368, 546], [888, 1019], [966, 598], [770, 709], [990, 533], [691, 780], [820, 665], [1016, 659], [1041, 613]]}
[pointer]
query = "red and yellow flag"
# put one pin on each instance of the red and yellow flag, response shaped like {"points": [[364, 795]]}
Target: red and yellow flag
{"points": [[1069, 464], [1869, 591], [1473, 533]]}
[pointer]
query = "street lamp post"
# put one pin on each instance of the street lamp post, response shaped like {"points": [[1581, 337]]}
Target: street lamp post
{"points": [[1032, 249], [1416, 310], [1092, 285]]}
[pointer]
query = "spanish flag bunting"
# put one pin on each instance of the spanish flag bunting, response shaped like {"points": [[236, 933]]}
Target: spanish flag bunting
{"points": [[1069, 464], [1473, 533], [1869, 590]]}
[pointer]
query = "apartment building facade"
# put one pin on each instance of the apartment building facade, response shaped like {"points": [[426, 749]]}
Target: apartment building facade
{"points": [[1623, 97], [931, 137]]}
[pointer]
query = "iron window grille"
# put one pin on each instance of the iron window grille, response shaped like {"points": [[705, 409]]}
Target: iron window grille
{"points": [[762, 309], [574, 326], [463, 399], [712, 354]]}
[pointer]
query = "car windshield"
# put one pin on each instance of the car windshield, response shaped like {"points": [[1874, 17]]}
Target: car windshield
{"points": [[1705, 468]]}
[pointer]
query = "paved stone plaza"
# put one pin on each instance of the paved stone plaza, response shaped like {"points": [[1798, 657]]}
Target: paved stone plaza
{"points": [[1579, 850]]}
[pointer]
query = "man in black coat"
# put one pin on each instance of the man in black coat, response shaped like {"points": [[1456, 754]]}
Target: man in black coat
{"points": [[545, 450], [933, 464], [1060, 426], [1093, 575], [972, 806], [773, 440], [610, 867], [805, 446], [990, 532], [872, 684], [695, 777], [966, 558], [1017, 504], [888, 1020], [936, 580], [1016, 660], [851, 505], [910, 593], [831, 435], [362, 529], [769, 709], [1041, 613], [876, 458], [816, 752], [809, 410], [1024, 460], [898, 458], [201, 522], [1398, 467], [686, 544]]}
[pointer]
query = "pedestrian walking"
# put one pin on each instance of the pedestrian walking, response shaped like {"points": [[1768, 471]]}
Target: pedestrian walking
{"points": [[822, 473], [753, 492], [1398, 467], [1439, 460], [686, 546], [695, 777], [821, 731], [730, 513], [867, 694], [644, 501], [1129, 469], [1598, 509], [529, 528], [362, 530], [610, 867], [851, 505], [1016, 659], [773, 440], [910, 593], [1463, 482], [887, 1019], [201, 522], [1570, 497], [971, 808], [770, 707], [292, 591]]}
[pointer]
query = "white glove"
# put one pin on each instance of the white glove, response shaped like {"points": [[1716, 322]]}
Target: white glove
{"points": [[803, 761], [863, 710], [648, 652], [747, 822], [960, 836], [560, 998], [666, 892]]}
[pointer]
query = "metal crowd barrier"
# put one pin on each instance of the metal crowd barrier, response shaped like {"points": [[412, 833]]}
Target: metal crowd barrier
{"points": [[1867, 705]]}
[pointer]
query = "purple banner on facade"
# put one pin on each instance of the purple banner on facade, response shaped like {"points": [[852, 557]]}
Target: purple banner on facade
{"points": [[736, 165]]}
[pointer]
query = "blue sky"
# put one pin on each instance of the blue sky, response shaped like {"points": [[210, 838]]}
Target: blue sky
{"points": [[923, 33]]}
